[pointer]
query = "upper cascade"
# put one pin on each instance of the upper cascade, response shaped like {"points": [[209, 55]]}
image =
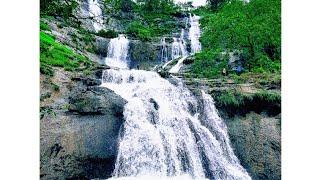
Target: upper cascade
{"points": [[166, 134], [194, 33], [118, 52], [96, 13]]}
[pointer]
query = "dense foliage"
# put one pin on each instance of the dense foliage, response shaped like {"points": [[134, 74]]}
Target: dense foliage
{"points": [[63, 8], [145, 18], [252, 28], [215, 4]]}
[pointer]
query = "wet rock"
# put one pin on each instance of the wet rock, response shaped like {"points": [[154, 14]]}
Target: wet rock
{"points": [[102, 46], [96, 100], [87, 81], [155, 104], [144, 54]]}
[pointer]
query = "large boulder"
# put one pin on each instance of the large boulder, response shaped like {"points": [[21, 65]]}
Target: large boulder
{"points": [[96, 100], [144, 54]]}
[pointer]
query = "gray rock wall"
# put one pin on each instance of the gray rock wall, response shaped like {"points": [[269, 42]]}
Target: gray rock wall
{"points": [[256, 140], [79, 137]]}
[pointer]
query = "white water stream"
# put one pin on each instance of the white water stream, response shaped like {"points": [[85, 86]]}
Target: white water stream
{"points": [[164, 134], [96, 13], [118, 52], [194, 34], [168, 133]]}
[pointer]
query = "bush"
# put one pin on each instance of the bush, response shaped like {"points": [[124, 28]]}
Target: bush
{"points": [[46, 70], [44, 26], [209, 64], [107, 34], [230, 98], [137, 30]]}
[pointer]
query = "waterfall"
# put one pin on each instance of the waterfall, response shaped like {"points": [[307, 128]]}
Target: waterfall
{"points": [[176, 67], [176, 53], [182, 44], [179, 46], [96, 13], [118, 52], [166, 134], [164, 50], [194, 33]]}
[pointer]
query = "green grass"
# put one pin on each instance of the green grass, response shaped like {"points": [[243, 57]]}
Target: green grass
{"points": [[55, 54]]}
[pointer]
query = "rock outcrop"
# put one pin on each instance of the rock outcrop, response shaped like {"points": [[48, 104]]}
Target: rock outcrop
{"points": [[256, 141], [79, 128]]}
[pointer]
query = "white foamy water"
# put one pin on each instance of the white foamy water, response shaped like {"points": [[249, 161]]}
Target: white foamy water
{"points": [[164, 50], [177, 67], [194, 34], [96, 12], [166, 134], [118, 52]]}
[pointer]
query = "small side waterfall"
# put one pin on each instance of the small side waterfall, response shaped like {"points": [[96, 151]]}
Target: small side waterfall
{"points": [[176, 53], [164, 50], [118, 52], [194, 34], [179, 47], [166, 134], [96, 13]]}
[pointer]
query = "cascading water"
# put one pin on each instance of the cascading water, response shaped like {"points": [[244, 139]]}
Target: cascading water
{"points": [[176, 53], [179, 50], [166, 134], [194, 33], [96, 13], [118, 52], [164, 50]]}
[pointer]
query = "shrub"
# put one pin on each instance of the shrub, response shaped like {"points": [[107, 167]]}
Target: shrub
{"points": [[44, 26], [209, 63], [137, 30], [107, 34]]}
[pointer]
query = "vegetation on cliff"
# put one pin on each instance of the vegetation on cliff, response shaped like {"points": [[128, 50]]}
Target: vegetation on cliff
{"points": [[53, 53], [253, 29], [145, 19]]}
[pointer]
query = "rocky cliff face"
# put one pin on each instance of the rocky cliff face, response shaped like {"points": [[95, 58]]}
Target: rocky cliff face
{"points": [[79, 127], [256, 140]]}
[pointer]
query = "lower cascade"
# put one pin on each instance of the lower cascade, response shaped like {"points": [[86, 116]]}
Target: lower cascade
{"points": [[168, 132]]}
